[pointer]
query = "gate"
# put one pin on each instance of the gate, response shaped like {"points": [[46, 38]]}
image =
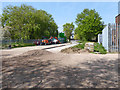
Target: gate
{"points": [[113, 38], [110, 38]]}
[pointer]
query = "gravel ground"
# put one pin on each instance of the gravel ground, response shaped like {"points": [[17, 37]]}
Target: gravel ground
{"points": [[44, 69]]}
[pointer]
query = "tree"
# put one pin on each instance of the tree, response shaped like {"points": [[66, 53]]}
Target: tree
{"points": [[68, 29], [89, 24], [19, 19], [28, 23]]}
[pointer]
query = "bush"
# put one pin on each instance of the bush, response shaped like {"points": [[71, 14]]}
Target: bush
{"points": [[99, 48]]}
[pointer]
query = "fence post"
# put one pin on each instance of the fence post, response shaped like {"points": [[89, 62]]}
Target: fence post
{"points": [[109, 37]]}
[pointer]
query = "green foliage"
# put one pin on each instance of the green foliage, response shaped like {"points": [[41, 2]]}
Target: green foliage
{"points": [[25, 22], [89, 25], [99, 48], [81, 45], [68, 28], [15, 45], [82, 41]]}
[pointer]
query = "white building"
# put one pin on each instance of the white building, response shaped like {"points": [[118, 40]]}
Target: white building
{"points": [[100, 38], [105, 38]]}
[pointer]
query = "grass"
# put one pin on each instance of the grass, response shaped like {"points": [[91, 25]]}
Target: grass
{"points": [[81, 45], [15, 45], [81, 41], [99, 48], [22, 45]]}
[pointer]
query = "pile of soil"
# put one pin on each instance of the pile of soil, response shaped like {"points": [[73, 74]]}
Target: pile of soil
{"points": [[74, 50], [36, 53], [33, 53]]}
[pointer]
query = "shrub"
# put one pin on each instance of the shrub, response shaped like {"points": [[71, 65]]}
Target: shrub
{"points": [[99, 48]]}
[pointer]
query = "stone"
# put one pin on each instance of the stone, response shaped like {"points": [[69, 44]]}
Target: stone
{"points": [[89, 46]]}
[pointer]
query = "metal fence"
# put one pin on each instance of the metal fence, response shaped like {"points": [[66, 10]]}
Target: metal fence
{"points": [[8, 41], [111, 38]]}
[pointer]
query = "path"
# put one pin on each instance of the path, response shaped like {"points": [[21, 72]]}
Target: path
{"points": [[21, 50]]}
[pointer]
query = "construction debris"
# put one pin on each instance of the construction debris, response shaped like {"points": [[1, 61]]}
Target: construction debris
{"points": [[89, 46], [74, 50]]}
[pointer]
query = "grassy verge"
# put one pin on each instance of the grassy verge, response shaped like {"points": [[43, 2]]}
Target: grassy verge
{"points": [[15, 45], [81, 45], [99, 48], [22, 45]]}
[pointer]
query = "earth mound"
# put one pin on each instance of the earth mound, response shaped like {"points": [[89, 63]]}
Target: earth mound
{"points": [[74, 50], [36, 53]]}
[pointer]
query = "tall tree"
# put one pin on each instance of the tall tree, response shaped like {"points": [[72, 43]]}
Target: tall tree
{"points": [[68, 29], [89, 24], [27, 22], [20, 19]]}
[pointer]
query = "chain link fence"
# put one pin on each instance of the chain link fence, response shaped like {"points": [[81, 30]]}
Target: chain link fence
{"points": [[6, 42]]}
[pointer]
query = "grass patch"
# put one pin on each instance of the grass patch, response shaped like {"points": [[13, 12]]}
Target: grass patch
{"points": [[81, 45], [99, 48], [22, 45], [16, 45]]}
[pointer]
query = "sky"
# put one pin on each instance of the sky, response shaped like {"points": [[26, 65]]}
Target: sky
{"points": [[66, 12]]}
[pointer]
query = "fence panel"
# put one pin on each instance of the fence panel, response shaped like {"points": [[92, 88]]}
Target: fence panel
{"points": [[111, 38], [113, 33]]}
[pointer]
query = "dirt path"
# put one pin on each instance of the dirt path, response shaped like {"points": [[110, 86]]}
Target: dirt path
{"points": [[41, 68], [21, 50]]}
